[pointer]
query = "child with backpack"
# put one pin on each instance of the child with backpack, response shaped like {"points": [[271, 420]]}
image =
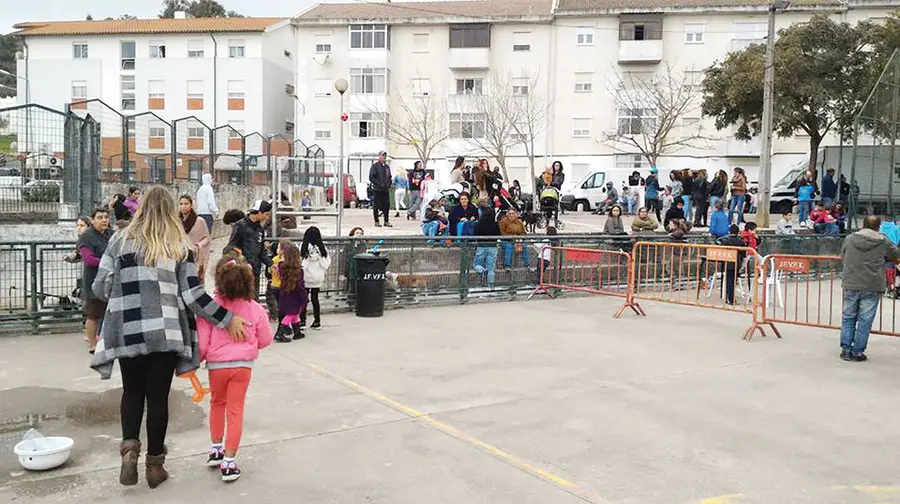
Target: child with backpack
{"points": [[230, 362], [315, 266], [292, 297]]}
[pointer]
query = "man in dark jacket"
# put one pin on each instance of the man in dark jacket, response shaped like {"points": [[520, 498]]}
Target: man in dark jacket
{"points": [[731, 268], [652, 193], [415, 178], [248, 235], [380, 179], [863, 255], [829, 188]]}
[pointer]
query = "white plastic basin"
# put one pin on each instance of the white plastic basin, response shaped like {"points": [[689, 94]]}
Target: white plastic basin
{"points": [[44, 453]]}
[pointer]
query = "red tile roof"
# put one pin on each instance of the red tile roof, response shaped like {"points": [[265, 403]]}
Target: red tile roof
{"points": [[148, 26]]}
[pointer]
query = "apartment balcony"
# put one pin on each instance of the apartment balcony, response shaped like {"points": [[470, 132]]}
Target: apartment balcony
{"points": [[640, 51], [741, 148], [471, 58]]}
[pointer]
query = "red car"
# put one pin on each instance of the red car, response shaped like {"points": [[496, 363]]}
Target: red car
{"points": [[349, 190]]}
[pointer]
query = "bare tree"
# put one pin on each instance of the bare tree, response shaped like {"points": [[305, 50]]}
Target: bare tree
{"points": [[530, 113], [658, 113], [419, 120], [497, 105]]}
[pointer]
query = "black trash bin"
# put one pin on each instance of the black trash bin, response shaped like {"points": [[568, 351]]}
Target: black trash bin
{"points": [[370, 278]]}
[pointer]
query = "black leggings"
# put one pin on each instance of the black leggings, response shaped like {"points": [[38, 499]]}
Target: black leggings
{"points": [[653, 205], [147, 377], [314, 299], [382, 204]]}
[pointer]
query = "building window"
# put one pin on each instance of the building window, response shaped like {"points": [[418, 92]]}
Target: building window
{"points": [[581, 128], [583, 83], [322, 131], [235, 48], [693, 33], [521, 41], [157, 138], [288, 126], [421, 42], [635, 121], [465, 125], [470, 35], [196, 132], [236, 130], [80, 50], [156, 94], [366, 125], [368, 80], [322, 87], [746, 34], [235, 95], [196, 49], [194, 95], [584, 37], [520, 86], [370, 36], [323, 47], [157, 50], [630, 162], [79, 91], [289, 89], [195, 168], [127, 82], [421, 86], [130, 125], [644, 28], [127, 55], [470, 86]]}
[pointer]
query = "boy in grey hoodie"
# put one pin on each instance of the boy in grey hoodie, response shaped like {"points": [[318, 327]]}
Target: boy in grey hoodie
{"points": [[863, 255]]}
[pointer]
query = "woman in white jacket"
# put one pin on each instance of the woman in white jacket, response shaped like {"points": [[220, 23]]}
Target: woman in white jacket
{"points": [[315, 266]]}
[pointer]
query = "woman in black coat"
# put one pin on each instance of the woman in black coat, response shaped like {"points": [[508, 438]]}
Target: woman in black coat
{"points": [[700, 195]]}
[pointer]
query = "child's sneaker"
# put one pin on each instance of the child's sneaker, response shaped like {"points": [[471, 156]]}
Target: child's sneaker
{"points": [[316, 325], [230, 471], [215, 458]]}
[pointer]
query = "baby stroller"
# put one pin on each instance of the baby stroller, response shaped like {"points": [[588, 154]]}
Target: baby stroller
{"points": [[500, 197], [549, 201]]}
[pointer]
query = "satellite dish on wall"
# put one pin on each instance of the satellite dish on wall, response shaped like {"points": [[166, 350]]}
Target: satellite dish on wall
{"points": [[321, 58]]}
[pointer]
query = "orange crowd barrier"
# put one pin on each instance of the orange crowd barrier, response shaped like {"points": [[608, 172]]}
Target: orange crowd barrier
{"points": [[605, 272], [708, 276], [807, 291]]}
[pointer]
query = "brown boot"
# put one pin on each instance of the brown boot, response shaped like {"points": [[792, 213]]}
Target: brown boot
{"points": [[130, 449], [156, 473]]}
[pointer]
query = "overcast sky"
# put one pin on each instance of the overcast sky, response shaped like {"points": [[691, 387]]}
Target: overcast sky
{"points": [[67, 10]]}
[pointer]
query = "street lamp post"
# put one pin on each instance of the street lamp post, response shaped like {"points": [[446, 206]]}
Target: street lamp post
{"points": [[340, 85], [765, 156]]}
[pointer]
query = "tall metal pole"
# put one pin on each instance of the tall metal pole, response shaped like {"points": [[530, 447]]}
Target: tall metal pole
{"points": [[341, 86], [339, 185], [765, 156]]}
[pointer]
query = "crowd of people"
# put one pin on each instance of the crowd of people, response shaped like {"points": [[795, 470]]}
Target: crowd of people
{"points": [[146, 306]]}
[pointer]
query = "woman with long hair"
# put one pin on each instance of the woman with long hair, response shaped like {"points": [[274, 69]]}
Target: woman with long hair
{"points": [[197, 234], [738, 195], [315, 266], [718, 187], [149, 280], [456, 174]]}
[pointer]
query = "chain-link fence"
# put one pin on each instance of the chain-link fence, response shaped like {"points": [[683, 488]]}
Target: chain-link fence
{"points": [[148, 148], [874, 162], [45, 158]]}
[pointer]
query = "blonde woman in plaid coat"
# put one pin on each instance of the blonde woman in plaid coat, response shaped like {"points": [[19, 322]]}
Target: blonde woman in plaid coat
{"points": [[149, 279]]}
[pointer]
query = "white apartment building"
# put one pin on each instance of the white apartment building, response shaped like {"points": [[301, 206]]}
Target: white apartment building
{"points": [[577, 53], [234, 72]]}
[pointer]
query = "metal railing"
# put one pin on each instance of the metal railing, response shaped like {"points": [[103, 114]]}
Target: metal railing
{"points": [[40, 292]]}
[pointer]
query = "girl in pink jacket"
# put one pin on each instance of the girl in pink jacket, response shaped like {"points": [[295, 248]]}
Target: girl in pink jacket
{"points": [[229, 362]]}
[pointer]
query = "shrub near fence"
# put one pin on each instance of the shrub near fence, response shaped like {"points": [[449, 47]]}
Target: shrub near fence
{"points": [[38, 290]]}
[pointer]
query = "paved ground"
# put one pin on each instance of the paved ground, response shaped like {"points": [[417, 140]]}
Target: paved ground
{"points": [[526, 402]]}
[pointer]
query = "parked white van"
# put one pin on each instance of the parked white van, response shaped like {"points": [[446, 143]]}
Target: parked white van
{"points": [[590, 192]]}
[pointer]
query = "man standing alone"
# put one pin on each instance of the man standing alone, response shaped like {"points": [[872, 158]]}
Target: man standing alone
{"points": [[380, 178], [863, 255]]}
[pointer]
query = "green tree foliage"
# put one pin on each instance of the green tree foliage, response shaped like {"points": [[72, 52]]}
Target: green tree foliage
{"points": [[196, 8], [9, 46], [822, 71]]}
